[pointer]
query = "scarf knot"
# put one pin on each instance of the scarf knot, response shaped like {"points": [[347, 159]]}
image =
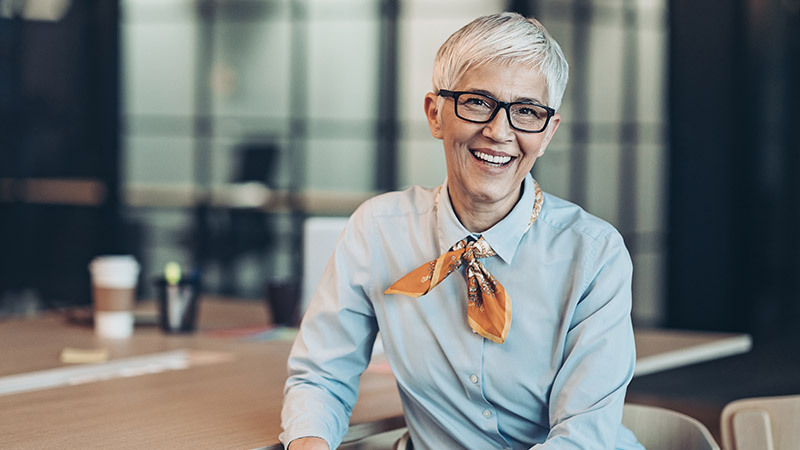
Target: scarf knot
{"points": [[488, 303]]}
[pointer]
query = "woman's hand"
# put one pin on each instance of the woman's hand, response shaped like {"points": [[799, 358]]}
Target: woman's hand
{"points": [[308, 443]]}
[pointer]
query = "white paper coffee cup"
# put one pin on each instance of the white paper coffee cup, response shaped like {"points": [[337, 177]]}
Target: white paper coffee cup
{"points": [[114, 280]]}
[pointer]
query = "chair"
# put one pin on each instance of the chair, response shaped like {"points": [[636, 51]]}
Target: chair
{"points": [[664, 429], [762, 423], [656, 428]]}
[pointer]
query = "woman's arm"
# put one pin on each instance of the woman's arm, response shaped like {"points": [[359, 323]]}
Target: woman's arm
{"points": [[334, 344], [588, 393]]}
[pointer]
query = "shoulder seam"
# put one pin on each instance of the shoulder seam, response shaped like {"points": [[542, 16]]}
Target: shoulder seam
{"points": [[395, 212], [607, 228], [585, 279]]}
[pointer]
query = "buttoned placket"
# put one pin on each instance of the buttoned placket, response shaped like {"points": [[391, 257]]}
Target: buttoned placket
{"points": [[487, 411], [449, 230]]}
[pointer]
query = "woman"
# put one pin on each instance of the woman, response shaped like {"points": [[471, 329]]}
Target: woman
{"points": [[504, 311]]}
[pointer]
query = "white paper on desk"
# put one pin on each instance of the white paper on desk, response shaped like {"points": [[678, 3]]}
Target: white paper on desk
{"points": [[87, 373]]}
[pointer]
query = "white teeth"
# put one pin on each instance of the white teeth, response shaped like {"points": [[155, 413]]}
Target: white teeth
{"points": [[492, 159]]}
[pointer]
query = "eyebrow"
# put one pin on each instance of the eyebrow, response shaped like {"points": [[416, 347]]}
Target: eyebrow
{"points": [[521, 99]]}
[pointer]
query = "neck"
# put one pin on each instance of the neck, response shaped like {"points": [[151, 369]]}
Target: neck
{"points": [[477, 216]]}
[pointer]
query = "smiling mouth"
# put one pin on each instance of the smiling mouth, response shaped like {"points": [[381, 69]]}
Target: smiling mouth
{"points": [[492, 160]]}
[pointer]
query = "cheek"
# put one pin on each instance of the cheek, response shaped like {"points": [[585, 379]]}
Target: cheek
{"points": [[454, 143], [535, 146], [456, 131]]}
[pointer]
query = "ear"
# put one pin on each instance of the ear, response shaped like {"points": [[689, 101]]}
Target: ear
{"points": [[432, 114], [548, 134]]}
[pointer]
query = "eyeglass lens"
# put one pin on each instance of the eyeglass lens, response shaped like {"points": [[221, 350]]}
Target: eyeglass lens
{"points": [[479, 108]]}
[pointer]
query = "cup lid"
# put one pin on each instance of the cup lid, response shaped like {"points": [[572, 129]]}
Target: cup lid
{"points": [[114, 270]]}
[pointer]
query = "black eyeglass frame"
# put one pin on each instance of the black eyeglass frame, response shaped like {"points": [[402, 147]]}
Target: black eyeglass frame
{"points": [[500, 105]]}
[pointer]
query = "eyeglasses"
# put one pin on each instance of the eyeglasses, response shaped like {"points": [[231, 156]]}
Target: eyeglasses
{"points": [[480, 108]]}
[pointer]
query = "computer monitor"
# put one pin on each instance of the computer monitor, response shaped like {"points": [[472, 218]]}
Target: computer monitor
{"points": [[320, 235]]}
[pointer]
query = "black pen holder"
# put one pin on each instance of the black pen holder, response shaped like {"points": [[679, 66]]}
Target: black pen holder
{"points": [[177, 304]]}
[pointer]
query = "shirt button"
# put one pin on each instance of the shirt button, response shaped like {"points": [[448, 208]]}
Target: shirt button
{"points": [[473, 378], [487, 413]]}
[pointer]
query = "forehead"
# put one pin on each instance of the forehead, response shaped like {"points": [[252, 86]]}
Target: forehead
{"points": [[506, 82]]}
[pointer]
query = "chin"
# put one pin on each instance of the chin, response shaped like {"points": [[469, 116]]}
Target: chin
{"points": [[490, 195]]}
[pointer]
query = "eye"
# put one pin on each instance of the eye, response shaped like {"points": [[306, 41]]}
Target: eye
{"points": [[528, 111], [476, 102]]}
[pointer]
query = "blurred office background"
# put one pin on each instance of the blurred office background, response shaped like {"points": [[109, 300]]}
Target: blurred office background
{"points": [[205, 132]]}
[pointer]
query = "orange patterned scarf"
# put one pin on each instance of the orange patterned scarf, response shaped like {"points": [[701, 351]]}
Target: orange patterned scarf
{"points": [[489, 308], [489, 305]]}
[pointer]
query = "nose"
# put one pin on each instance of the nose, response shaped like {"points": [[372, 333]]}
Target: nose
{"points": [[499, 128]]}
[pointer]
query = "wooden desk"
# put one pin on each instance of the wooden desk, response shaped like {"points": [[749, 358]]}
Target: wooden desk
{"points": [[230, 404], [233, 403], [658, 349]]}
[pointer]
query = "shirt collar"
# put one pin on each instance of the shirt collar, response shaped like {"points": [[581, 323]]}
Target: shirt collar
{"points": [[504, 237]]}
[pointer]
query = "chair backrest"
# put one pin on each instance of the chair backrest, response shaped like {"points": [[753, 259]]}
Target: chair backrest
{"points": [[664, 429], [763, 423]]}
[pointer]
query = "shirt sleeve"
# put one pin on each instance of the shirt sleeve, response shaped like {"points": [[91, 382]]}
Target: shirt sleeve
{"points": [[334, 344], [588, 392]]}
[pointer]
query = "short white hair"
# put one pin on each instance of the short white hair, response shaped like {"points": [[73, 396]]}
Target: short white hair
{"points": [[504, 38]]}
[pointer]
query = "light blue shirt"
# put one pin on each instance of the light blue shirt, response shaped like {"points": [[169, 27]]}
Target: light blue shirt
{"points": [[557, 382]]}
